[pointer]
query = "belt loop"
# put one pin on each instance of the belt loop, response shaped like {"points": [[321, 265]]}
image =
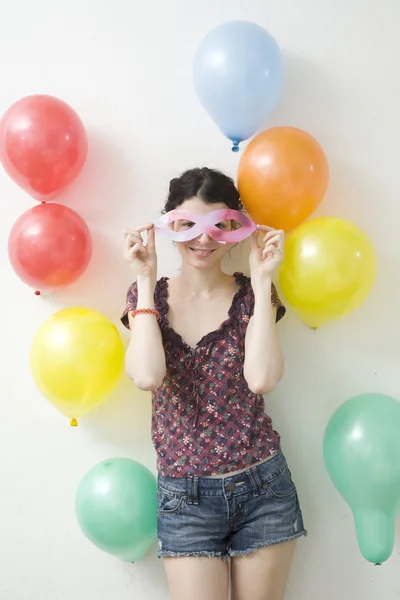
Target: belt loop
{"points": [[196, 491], [189, 490], [255, 481], [192, 487]]}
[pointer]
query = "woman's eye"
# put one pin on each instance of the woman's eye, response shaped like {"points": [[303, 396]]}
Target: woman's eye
{"points": [[180, 224], [222, 225]]}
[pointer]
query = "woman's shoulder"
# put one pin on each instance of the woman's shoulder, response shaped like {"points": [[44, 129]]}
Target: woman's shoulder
{"points": [[160, 299], [242, 280], [243, 283], [248, 299]]}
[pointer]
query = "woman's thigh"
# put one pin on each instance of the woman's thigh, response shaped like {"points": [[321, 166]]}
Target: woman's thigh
{"points": [[194, 578], [262, 575]]}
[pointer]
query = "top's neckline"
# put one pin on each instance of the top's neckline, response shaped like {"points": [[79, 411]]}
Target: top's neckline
{"points": [[212, 336]]}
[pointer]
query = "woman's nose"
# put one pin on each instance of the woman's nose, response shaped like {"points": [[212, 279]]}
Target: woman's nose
{"points": [[204, 238]]}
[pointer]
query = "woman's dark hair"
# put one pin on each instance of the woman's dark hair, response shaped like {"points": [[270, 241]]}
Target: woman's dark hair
{"points": [[208, 184]]}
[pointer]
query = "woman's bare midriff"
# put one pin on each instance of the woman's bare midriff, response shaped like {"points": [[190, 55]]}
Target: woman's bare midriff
{"points": [[232, 473]]}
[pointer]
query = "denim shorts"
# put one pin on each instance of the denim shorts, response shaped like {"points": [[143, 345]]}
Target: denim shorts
{"points": [[229, 516]]}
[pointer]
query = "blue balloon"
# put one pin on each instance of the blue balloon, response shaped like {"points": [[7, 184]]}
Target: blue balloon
{"points": [[238, 76]]}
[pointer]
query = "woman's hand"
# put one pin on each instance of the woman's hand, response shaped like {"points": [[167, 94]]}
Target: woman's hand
{"points": [[265, 259], [141, 256]]}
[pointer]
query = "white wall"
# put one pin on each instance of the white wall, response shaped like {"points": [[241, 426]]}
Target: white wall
{"points": [[125, 66]]}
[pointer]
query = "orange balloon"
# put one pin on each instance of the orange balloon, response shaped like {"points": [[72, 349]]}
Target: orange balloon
{"points": [[283, 175]]}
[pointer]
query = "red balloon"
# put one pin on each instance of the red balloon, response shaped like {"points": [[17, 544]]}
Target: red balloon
{"points": [[43, 145], [49, 246]]}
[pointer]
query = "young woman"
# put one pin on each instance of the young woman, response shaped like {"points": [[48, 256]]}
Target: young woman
{"points": [[205, 344]]}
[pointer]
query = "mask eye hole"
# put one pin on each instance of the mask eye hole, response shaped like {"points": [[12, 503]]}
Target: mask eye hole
{"points": [[181, 225], [229, 225], [224, 225], [236, 225]]}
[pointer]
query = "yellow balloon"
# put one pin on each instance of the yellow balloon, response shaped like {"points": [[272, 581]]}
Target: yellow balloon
{"points": [[77, 357], [328, 271]]}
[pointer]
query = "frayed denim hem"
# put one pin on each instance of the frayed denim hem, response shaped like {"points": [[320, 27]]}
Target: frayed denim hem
{"points": [[165, 554], [230, 553], [233, 553]]}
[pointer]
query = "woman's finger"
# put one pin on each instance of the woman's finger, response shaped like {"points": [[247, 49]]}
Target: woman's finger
{"points": [[136, 250], [151, 239], [130, 242], [133, 238], [267, 254], [139, 229], [274, 243], [272, 248], [147, 227], [273, 233], [132, 233], [254, 240], [275, 240], [265, 228]]}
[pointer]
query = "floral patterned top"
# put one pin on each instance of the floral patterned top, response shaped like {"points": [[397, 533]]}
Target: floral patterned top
{"points": [[205, 420]]}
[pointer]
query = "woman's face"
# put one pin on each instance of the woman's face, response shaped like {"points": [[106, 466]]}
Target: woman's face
{"points": [[203, 251]]}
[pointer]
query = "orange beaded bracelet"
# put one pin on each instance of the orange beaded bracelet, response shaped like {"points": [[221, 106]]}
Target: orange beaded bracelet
{"points": [[145, 311]]}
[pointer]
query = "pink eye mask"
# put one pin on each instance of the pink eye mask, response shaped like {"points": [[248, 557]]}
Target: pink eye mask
{"points": [[206, 224]]}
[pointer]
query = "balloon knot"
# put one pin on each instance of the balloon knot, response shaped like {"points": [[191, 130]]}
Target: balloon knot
{"points": [[235, 147], [73, 423], [378, 564], [37, 293]]}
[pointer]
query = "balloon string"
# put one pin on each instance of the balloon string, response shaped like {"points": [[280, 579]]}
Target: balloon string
{"points": [[73, 423]]}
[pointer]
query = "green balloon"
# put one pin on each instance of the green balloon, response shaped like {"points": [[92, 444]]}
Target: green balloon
{"points": [[116, 507], [362, 456]]}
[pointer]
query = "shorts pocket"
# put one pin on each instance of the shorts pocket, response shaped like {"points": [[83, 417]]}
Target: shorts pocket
{"points": [[281, 487], [169, 503]]}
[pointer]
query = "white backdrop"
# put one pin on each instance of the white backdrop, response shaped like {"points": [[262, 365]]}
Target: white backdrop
{"points": [[125, 66]]}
